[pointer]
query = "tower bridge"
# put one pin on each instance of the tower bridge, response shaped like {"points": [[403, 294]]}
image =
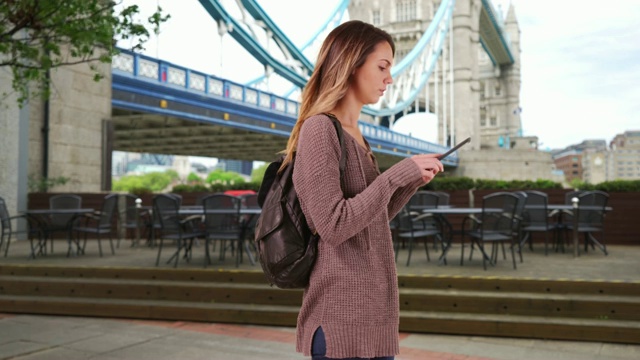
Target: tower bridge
{"points": [[151, 105]]}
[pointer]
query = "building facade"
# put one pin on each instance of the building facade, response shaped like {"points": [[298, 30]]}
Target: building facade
{"points": [[570, 163], [624, 156]]}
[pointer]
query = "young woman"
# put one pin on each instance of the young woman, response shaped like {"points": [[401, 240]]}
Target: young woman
{"points": [[350, 307]]}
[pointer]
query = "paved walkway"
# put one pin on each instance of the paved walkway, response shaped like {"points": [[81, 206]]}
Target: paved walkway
{"points": [[52, 337], [27, 337], [620, 265]]}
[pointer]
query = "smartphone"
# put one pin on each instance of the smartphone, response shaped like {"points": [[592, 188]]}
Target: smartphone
{"points": [[454, 148]]}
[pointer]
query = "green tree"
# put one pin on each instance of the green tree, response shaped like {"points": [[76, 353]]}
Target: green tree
{"points": [[257, 174], [36, 36], [154, 182], [224, 177], [193, 178]]}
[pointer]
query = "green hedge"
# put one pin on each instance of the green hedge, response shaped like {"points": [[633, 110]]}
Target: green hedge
{"points": [[465, 183], [611, 186], [215, 187], [455, 183]]}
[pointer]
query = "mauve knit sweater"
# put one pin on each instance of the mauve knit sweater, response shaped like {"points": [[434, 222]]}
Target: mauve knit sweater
{"points": [[353, 289]]}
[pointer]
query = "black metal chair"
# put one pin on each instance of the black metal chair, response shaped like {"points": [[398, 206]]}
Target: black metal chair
{"points": [[423, 199], [412, 226], [591, 212], [166, 209], [61, 222], [518, 222], [153, 223], [536, 219], [32, 230], [443, 198], [222, 221], [250, 201], [493, 227], [98, 223], [418, 203]]}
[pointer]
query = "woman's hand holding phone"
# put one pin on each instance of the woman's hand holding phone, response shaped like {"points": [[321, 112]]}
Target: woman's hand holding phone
{"points": [[429, 165]]}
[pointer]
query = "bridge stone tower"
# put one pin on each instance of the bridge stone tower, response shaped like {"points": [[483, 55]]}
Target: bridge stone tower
{"points": [[62, 137], [486, 96]]}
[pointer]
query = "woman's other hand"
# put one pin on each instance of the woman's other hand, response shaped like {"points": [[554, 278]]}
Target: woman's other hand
{"points": [[429, 165]]}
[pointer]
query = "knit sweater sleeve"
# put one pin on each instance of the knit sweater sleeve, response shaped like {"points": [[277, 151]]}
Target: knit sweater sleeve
{"points": [[401, 196], [316, 178]]}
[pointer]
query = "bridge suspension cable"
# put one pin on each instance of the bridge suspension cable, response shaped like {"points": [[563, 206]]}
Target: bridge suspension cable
{"points": [[410, 74]]}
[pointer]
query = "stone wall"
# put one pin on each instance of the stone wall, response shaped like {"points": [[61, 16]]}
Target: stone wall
{"points": [[77, 107], [9, 140], [505, 164]]}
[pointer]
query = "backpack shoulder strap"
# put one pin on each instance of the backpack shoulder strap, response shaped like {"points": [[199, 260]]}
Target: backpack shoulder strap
{"points": [[343, 156]]}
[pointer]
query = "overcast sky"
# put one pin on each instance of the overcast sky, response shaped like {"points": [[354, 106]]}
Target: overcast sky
{"points": [[580, 60]]}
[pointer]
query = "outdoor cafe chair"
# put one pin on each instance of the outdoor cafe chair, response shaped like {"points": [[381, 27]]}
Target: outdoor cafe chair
{"points": [[492, 227], [415, 226], [61, 222], [250, 201], [443, 198], [518, 221], [223, 222], [536, 219], [166, 209], [153, 223], [517, 225], [591, 212], [8, 230], [420, 201], [98, 223]]}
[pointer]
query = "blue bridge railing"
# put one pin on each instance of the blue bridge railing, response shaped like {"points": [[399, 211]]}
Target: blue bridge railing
{"points": [[146, 68]]}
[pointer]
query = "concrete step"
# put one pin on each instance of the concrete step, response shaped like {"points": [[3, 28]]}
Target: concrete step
{"points": [[627, 332], [151, 309], [478, 302], [471, 283], [485, 306]]}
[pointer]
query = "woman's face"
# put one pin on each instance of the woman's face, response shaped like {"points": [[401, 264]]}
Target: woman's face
{"points": [[371, 79]]}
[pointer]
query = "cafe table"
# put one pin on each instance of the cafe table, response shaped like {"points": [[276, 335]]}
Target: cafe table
{"points": [[441, 212], [40, 218], [569, 209]]}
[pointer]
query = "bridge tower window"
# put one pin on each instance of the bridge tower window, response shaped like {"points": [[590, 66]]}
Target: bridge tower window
{"points": [[494, 120], [483, 117], [376, 18], [406, 10]]}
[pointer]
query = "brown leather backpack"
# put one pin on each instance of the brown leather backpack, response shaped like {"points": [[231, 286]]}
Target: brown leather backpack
{"points": [[287, 248]]}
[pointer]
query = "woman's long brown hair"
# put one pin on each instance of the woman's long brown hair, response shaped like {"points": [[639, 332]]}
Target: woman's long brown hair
{"points": [[343, 51]]}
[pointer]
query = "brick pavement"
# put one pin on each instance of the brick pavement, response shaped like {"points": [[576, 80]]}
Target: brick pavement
{"points": [[29, 337]]}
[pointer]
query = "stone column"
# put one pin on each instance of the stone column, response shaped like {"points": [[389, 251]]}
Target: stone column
{"points": [[14, 147], [9, 141], [78, 106], [466, 42]]}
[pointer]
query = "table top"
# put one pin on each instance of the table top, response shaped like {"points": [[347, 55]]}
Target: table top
{"points": [[566, 207], [420, 207], [195, 210], [460, 210], [58, 211]]}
